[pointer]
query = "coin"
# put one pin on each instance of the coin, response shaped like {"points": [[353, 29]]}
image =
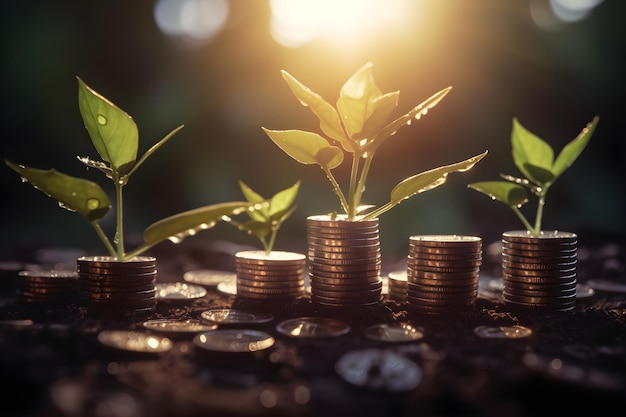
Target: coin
{"points": [[379, 369], [546, 237], [503, 332], [312, 327], [133, 341], [208, 277], [174, 327], [234, 340], [296, 282], [179, 291], [234, 316], [397, 332], [446, 240]]}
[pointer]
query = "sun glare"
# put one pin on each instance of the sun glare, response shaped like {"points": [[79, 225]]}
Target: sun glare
{"points": [[297, 22], [191, 20]]}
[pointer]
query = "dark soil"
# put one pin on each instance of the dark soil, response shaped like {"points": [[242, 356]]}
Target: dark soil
{"points": [[573, 363]]}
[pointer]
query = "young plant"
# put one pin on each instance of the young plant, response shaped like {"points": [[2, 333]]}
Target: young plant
{"points": [[115, 136], [266, 221], [535, 159], [359, 125]]}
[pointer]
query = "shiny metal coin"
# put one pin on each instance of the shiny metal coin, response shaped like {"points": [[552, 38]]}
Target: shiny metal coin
{"points": [[234, 316], [469, 265], [379, 369], [370, 300], [111, 262], [547, 237], [312, 327], [319, 287], [208, 277], [584, 291], [397, 332], [234, 340], [293, 282], [132, 341], [346, 279], [229, 288], [341, 221], [518, 273], [503, 332], [445, 240], [259, 257], [174, 327], [247, 290], [179, 291], [414, 275]]}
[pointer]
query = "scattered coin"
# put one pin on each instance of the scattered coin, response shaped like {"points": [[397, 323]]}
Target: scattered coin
{"points": [[399, 332], [175, 327], [503, 332], [233, 316], [133, 341], [179, 291], [208, 277], [379, 369], [310, 327], [234, 340]]}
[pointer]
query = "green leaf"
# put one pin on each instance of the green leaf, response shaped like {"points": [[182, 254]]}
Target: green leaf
{"points": [[112, 131], [511, 194], [259, 229], [329, 119], [433, 178], [357, 100], [188, 223], [539, 175], [261, 215], [306, 147], [379, 116], [530, 151], [416, 113], [572, 150], [75, 194], [282, 200]]}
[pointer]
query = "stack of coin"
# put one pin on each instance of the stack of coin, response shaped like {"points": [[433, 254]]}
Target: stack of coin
{"points": [[48, 286], [539, 273], [344, 261], [121, 288], [277, 275], [398, 285], [442, 272]]}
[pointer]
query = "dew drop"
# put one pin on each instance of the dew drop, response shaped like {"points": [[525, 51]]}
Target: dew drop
{"points": [[102, 120], [93, 203], [24, 179]]}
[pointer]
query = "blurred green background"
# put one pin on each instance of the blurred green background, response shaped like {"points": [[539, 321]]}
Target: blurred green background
{"points": [[168, 63]]}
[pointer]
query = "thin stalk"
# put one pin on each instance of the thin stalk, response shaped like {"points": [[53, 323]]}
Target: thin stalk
{"points": [[333, 181], [270, 245], [352, 204], [103, 237], [380, 210], [539, 215], [523, 219], [119, 232], [364, 172]]}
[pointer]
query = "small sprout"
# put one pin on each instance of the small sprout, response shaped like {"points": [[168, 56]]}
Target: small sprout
{"points": [[265, 222], [535, 159], [115, 136], [359, 125]]}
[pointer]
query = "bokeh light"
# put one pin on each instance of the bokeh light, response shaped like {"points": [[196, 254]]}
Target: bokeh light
{"points": [[191, 21]]}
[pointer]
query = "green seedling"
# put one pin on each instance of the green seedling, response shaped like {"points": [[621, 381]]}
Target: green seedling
{"points": [[535, 160], [265, 222], [359, 125], [115, 136]]}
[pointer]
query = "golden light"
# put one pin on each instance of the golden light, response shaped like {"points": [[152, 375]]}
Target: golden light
{"points": [[297, 22]]}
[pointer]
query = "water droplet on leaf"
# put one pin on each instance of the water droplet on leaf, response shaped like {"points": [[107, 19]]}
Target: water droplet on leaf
{"points": [[102, 120], [93, 203]]}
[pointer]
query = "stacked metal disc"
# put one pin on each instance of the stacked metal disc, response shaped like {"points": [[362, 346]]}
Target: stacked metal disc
{"points": [[116, 287], [344, 261], [442, 272], [398, 285], [277, 275], [539, 273], [48, 286]]}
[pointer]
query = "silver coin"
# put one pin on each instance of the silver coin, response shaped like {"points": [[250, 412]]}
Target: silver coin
{"points": [[341, 221], [179, 291], [312, 327], [175, 327], [132, 341], [503, 332], [234, 316], [229, 288], [397, 332], [234, 340], [379, 369], [208, 277], [258, 257], [548, 237]]}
